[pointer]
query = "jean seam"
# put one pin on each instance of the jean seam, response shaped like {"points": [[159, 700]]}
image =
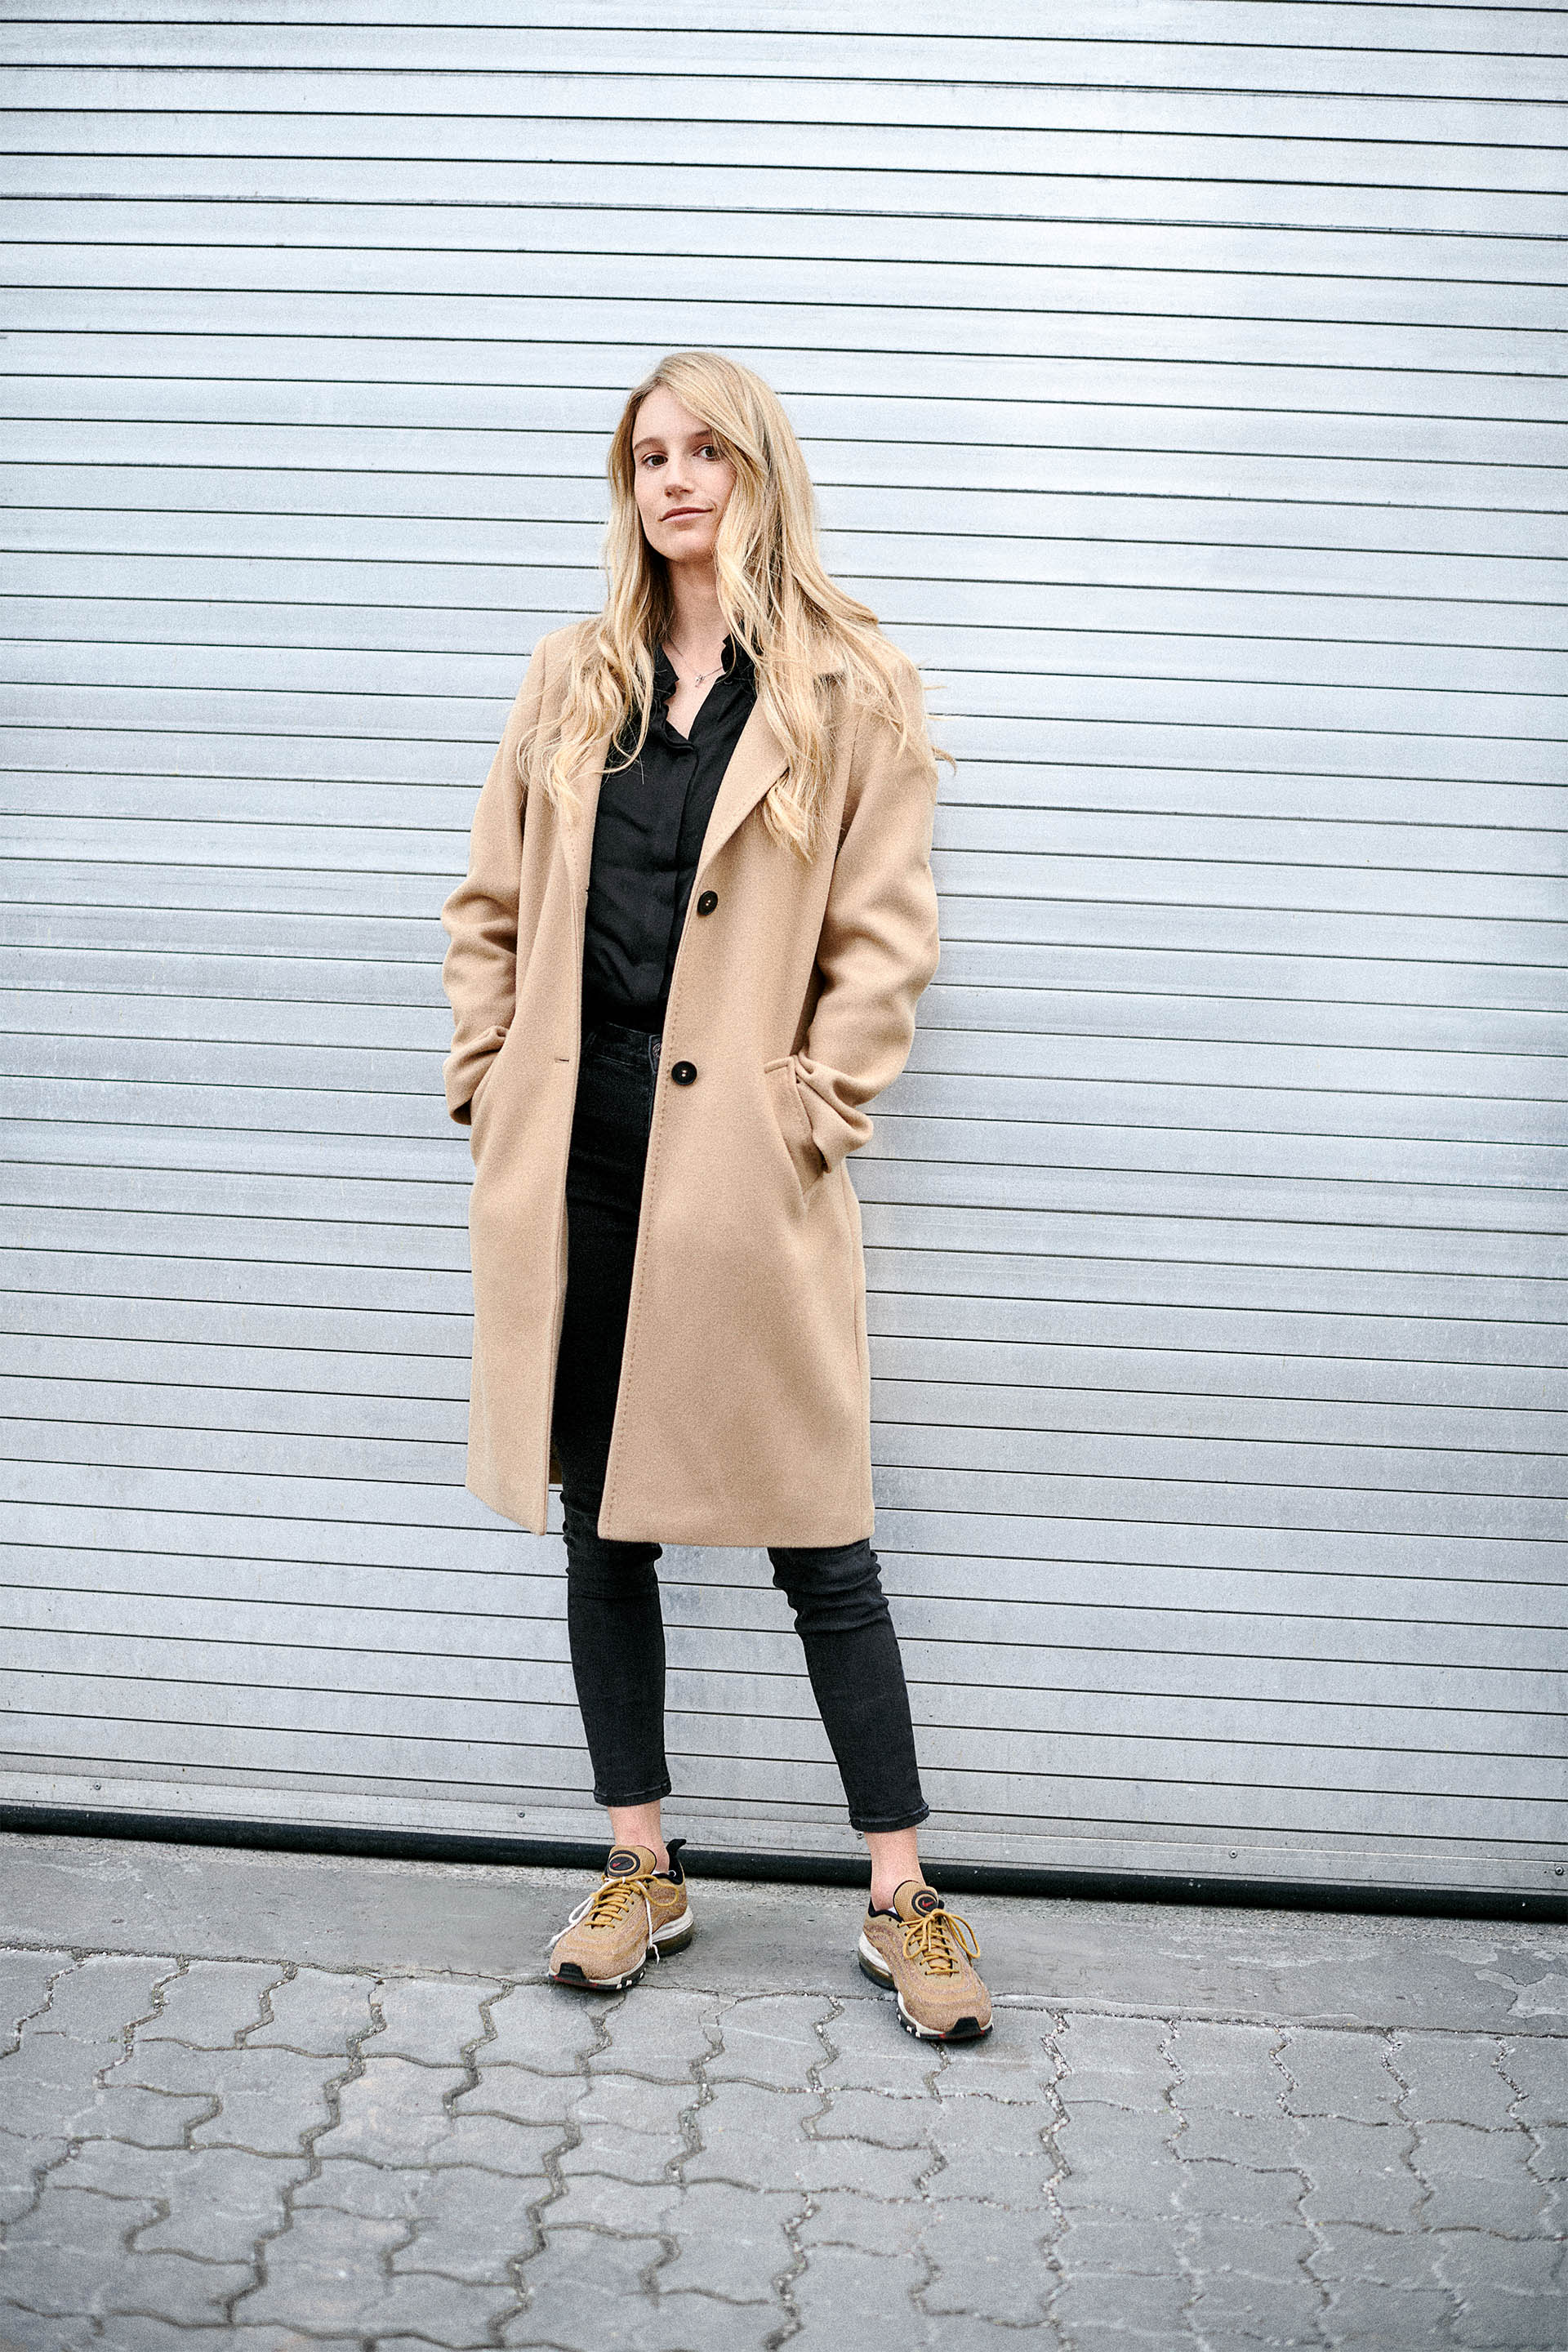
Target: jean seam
{"points": [[885, 1822], [650, 1796]]}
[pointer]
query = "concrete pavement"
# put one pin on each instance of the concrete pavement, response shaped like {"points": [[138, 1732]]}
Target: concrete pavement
{"points": [[269, 2101]]}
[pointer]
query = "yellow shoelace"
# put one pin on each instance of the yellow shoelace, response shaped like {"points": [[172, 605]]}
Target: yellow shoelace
{"points": [[938, 1942], [607, 1906], [610, 1902]]}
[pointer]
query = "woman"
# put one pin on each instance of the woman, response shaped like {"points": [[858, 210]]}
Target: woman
{"points": [[697, 914]]}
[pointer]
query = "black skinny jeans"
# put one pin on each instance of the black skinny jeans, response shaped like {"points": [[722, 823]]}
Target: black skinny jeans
{"points": [[612, 1615]]}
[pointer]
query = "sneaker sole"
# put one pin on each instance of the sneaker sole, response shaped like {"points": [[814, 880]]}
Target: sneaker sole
{"points": [[672, 1937], [966, 2028]]}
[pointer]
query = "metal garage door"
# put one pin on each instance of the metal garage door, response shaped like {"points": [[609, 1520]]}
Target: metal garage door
{"points": [[1180, 385]]}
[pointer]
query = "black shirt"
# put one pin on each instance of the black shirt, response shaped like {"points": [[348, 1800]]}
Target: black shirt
{"points": [[647, 834]]}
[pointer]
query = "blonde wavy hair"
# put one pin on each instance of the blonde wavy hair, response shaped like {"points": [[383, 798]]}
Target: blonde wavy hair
{"points": [[818, 652]]}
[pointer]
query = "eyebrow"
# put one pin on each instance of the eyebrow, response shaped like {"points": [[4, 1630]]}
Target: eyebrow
{"points": [[657, 440]]}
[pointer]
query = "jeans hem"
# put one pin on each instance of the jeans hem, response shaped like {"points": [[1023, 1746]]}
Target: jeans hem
{"points": [[886, 1821], [650, 1796]]}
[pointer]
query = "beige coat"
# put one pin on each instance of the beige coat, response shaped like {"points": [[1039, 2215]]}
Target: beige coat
{"points": [[743, 1411]]}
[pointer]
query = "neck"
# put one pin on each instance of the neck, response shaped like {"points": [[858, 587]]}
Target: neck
{"points": [[697, 622]]}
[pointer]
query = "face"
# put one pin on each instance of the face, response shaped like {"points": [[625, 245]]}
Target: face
{"points": [[682, 482]]}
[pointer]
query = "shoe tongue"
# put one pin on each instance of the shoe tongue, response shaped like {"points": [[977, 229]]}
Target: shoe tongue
{"points": [[631, 1862], [916, 1900]]}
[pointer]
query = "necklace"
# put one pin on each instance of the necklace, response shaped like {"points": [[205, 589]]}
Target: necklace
{"points": [[696, 676]]}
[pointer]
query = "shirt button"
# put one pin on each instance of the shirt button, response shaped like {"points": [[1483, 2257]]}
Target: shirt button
{"points": [[708, 900], [683, 1073]]}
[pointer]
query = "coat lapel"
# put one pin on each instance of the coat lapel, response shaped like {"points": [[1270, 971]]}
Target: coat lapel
{"points": [[578, 828], [758, 760]]}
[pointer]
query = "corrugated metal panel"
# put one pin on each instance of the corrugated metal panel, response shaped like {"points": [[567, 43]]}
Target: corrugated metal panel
{"points": [[1181, 386]]}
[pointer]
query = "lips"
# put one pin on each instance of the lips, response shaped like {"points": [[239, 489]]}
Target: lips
{"points": [[679, 514]]}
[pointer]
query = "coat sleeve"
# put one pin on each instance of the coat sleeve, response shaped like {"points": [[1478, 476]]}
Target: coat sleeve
{"points": [[479, 973], [880, 934]]}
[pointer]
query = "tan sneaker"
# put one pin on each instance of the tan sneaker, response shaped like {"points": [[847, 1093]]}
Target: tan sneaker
{"points": [[636, 1909], [923, 1951]]}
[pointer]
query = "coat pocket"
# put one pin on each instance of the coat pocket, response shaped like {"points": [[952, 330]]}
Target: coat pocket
{"points": [[478, 1099], [792, 1125]]}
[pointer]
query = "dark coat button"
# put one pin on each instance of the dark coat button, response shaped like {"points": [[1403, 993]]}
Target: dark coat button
{"points": [[683, 1073], [708, 900]]}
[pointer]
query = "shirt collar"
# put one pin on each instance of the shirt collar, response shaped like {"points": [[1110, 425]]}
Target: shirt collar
{"points": [[737, 662]]}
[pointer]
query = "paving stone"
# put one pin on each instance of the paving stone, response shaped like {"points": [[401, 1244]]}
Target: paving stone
{"points": [[1481, 2180], [584, 2286], [1343, 2074], [625, 2104], [22, 2328], [759, 2137], [1212, 2244], [493, 2144], [1540, 2068], [1228, 2068], [470, 2225], [1245, 2312], [772, 2040], [527, 2097], [1098, 2143], [1452, 2079], [135, 2333], [1091, 2305], [326, 2274], [977, 2137], [1018, 2061], [25, 1979], [1494, 2319], [970, 2334], [211, 2004], [1359, 2172], [1128, 2051], [1094, 2240], [431, 2019], [318, 2012], [1267, 2142], [57, 2257], [1475, 2262], [863, 2166], [548, 2028], [96, 2000], [1359, 2311], [220, 2200], [870, 2052], [629, 2127], [637, 2322], [393, 2112], [272, 2098], [599, 2201], [750, 2135], [876, 2225], [661, 2034], [1347, 2250], [71, 2253], [379, 2192], [1235, 2192], [991, 2264], [844, 2299], [122, 2110], [888, 2123], [731, 2242]]}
